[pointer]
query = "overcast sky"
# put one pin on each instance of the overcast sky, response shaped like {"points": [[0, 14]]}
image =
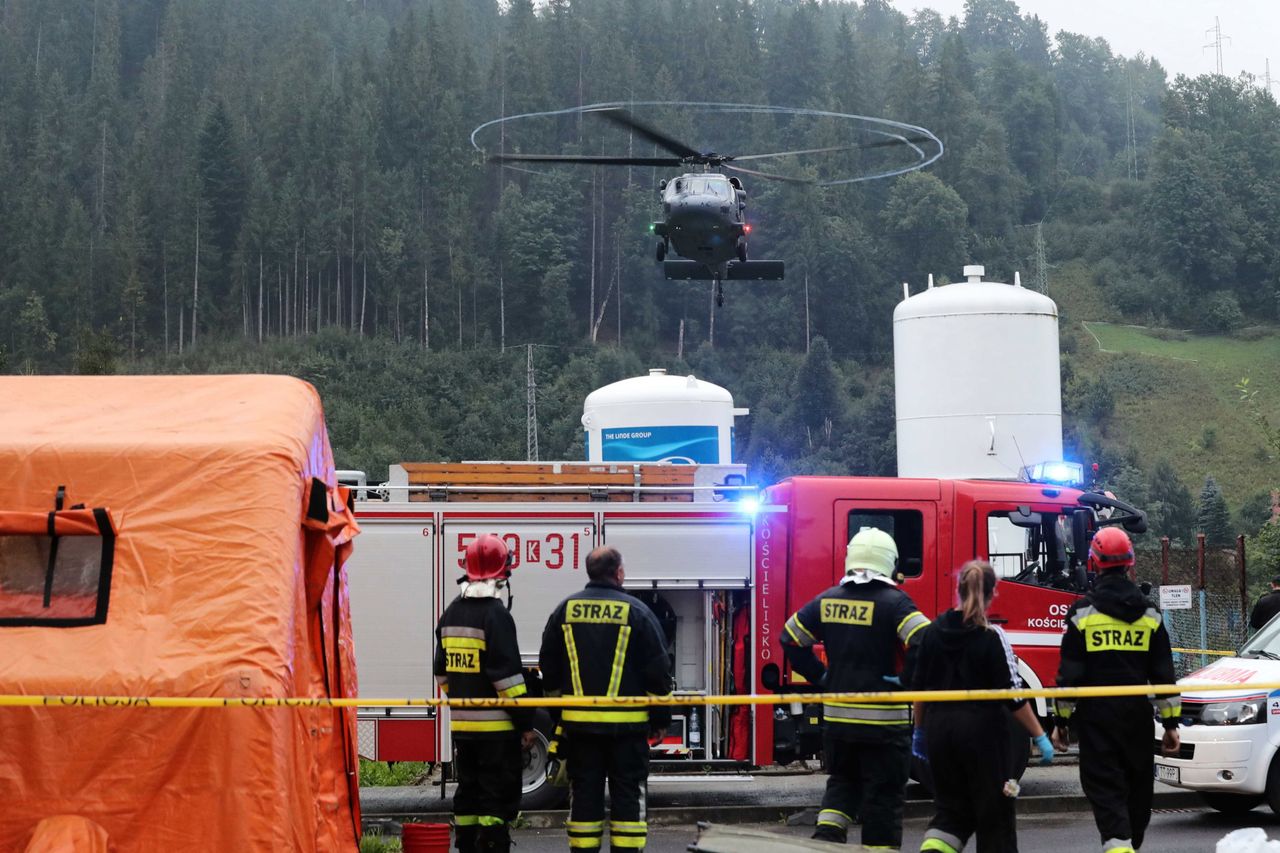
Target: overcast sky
{"points": [[1172, 31]]}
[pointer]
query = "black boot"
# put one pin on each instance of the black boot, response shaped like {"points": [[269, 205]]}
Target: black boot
{"points": [[493, 839], [830, 833]]}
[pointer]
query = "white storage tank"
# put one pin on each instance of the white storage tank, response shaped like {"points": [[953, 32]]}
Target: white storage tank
{"points": [[660, 418], [977, 380]]}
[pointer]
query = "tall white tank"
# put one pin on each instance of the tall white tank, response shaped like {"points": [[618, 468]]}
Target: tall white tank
{"points": [[660, 418], [977, 380]]}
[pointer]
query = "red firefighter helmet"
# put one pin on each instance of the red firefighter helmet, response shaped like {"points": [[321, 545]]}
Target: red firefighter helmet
{"points": [[487, 558], [1110, 549]]}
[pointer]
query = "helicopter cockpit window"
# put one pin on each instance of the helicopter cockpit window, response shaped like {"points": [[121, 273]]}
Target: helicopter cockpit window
{"points": [[719, 189], [700, 186]]}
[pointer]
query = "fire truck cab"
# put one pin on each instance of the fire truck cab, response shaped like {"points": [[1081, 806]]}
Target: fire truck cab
{"points": [[722, 565]]}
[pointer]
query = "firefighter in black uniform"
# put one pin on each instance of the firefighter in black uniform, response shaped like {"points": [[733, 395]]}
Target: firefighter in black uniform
{"points": [[1115, 636], [477, 657], [864, 622], [603, 642]]}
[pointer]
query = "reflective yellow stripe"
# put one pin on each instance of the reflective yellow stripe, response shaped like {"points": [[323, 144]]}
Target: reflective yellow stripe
{"points": [[574, 715], [513, 692], [792, 635], [572, 648], [616, 841], [593, 842], [865, 722], [584, 825], [632, 825], [465, 820], [463, 643], [794, 622], [619, 658], [483, 726], [491, 820], [879, 706]]}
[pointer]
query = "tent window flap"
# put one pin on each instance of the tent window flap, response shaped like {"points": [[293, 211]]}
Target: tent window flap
{"points": [[55, 567]]}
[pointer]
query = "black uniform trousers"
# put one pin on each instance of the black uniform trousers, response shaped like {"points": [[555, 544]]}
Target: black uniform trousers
{"points": [[490, 771], [1116, 765], [623, 761], [867, 778], [971, 757]]}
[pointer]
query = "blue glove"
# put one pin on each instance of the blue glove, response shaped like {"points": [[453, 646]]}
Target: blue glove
{"points": [[1046, 749], [893, 679], [918, 748]]}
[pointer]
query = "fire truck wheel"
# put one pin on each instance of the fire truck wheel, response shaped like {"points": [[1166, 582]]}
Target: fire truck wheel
{"points": [[1231, 804], [537, 794]]}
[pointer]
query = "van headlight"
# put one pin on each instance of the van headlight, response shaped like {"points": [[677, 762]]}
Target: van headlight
{"points": [[1233, 713]]}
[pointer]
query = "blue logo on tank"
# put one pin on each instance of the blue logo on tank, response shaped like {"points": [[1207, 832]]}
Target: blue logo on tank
{"points": [[684, 445]]}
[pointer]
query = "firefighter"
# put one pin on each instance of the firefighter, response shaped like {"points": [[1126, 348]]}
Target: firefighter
{"points": [[1267, 607], [1115, 636], [864, 622], [477, 657], [603, 642], [969, 745]]}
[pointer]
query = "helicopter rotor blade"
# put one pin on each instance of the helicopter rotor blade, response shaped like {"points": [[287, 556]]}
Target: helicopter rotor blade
{"points": [[770, 175], [593, 160], [625, 119], [884, 143]]}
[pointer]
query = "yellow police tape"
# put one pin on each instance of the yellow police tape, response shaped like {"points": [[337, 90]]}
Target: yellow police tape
{"points": [[896, 696], [1202, 652]]}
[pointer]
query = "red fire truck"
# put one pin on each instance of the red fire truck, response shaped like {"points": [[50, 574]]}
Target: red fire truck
{"points": [[722, 565]]}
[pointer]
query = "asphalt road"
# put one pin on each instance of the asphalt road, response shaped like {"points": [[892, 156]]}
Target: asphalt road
{"points": [[784, 790], [1183, 831]]}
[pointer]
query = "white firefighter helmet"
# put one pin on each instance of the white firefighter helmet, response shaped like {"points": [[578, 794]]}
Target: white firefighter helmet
{"points": [[872, 555]]}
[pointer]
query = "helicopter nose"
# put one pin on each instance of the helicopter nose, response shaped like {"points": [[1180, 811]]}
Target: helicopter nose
{"points": [[695, 213]]}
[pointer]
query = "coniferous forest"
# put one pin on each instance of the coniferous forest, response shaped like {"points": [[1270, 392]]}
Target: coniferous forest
{"points": [[194, 185]]}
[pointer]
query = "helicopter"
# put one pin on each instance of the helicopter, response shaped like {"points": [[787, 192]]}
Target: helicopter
{"points": [[705, 211]]}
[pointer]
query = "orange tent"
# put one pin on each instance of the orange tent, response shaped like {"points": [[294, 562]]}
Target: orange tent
{"points": [[175, 536]]}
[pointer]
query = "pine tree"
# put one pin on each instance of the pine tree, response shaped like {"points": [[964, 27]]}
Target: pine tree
{"points": [[1213, 518], [817, 393], [1170, 510]]}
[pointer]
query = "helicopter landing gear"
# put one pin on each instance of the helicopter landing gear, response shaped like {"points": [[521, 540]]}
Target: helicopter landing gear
{"points": [[742, 251], [719, 293], [662, 251]]}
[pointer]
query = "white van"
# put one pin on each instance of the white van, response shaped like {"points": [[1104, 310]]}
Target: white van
{"points": [[1230, 738]]}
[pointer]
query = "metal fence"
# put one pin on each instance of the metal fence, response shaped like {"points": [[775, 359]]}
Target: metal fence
{"points": [[1218, 618]]}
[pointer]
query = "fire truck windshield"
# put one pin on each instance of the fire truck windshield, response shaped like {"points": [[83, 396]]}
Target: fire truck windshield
{"points": [[1034, 550]]}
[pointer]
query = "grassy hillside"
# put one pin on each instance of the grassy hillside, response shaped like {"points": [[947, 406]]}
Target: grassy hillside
{"points": [[1175, 394]]}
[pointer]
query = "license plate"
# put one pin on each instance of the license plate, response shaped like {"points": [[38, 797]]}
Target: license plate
{"points": [[1168, 774]]}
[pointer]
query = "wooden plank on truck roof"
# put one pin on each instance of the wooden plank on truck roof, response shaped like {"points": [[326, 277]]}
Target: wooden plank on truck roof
{"points": [[521, 467]]}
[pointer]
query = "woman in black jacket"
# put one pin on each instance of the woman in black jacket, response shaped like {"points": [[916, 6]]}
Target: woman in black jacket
{"points": [[968, 744]]}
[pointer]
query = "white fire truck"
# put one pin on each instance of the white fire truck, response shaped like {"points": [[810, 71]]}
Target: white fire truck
{"points": [[722, 565]]}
